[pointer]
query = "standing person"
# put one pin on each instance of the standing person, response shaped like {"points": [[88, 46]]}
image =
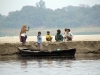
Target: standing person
{"points": [[65, 35], [58, 36], [69, 35], [23, 35], [48, 37], [39, 41]]}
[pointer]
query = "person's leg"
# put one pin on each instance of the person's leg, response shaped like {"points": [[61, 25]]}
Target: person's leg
{"points": [[47, 39], [51, 38], [25, 37], [64, 39], [23, 40], [69, 38], [20, 39], [38, 46], [41, 46]]}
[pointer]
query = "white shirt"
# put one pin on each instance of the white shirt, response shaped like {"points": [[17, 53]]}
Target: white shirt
{"points": [[65, 34], [23, 34], [70, 34]]}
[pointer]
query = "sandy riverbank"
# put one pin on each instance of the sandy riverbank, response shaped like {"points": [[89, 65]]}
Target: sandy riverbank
{"points": [[82, 48], [84, 44], [15, 39]]}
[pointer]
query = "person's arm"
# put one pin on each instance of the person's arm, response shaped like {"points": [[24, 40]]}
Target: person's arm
{"points": [[61, 38], [50, 36], [71, 35], [28, 29]]}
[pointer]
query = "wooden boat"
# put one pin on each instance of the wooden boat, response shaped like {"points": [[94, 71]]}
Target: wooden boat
{"points": [[54, 53]]}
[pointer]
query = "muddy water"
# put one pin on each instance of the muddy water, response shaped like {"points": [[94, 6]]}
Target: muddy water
{"points": [[50, 67]]}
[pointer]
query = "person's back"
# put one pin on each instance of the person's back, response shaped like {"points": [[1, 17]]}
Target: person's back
{"points": [[69, 35]]}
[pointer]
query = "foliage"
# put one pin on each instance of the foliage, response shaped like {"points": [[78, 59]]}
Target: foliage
{"points": [[39, 16]]}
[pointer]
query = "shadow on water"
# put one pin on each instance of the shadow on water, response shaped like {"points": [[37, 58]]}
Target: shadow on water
{"points": [[46, 62]]}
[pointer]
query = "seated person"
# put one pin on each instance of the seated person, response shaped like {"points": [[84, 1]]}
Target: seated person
{"points": [[48, 36], [69, 35], [58, 36]]}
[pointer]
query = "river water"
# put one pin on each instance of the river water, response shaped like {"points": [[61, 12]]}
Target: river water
{"points": [[50, 67]]}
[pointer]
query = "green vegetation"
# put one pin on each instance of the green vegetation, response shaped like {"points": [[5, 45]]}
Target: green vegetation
{"points": [[41, 17]]}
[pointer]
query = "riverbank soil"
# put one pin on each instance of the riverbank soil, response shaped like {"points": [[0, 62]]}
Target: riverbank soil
{"points": [[84, 49]]}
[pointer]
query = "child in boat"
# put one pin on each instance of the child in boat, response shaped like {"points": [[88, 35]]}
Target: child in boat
{"points": [[69, 35], [23, 35], [39, 41], [58, 36], [48, 37], [65, 35]]}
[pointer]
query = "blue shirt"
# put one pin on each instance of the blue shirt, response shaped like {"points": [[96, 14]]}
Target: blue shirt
{"points": [[39, 39]]}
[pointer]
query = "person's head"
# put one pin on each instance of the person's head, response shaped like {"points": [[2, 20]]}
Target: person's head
{"points": [[24, 26], [39, 33], [48, 32], [58, 31], [68, 30], [65, 29]]}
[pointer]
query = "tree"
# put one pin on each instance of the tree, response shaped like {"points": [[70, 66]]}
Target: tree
{"points": [[70, 16], [40, 4]]}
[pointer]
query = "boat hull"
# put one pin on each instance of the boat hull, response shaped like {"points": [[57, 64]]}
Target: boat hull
{"points": [[56, 53]]}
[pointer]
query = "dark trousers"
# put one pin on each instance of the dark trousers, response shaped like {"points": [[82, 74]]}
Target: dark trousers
{"points": [[23, 39], [69, 38]]}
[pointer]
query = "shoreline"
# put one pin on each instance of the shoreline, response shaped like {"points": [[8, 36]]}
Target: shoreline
{"points": [[15, 39], [84, 49]]}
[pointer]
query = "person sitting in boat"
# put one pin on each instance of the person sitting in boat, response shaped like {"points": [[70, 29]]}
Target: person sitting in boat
{"points": [[69, 35], [23, 35], [58, 36], [48, 37], [39, 41]]}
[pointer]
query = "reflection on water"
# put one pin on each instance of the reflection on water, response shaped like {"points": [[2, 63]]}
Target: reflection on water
{"points": [[50, 67]]}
